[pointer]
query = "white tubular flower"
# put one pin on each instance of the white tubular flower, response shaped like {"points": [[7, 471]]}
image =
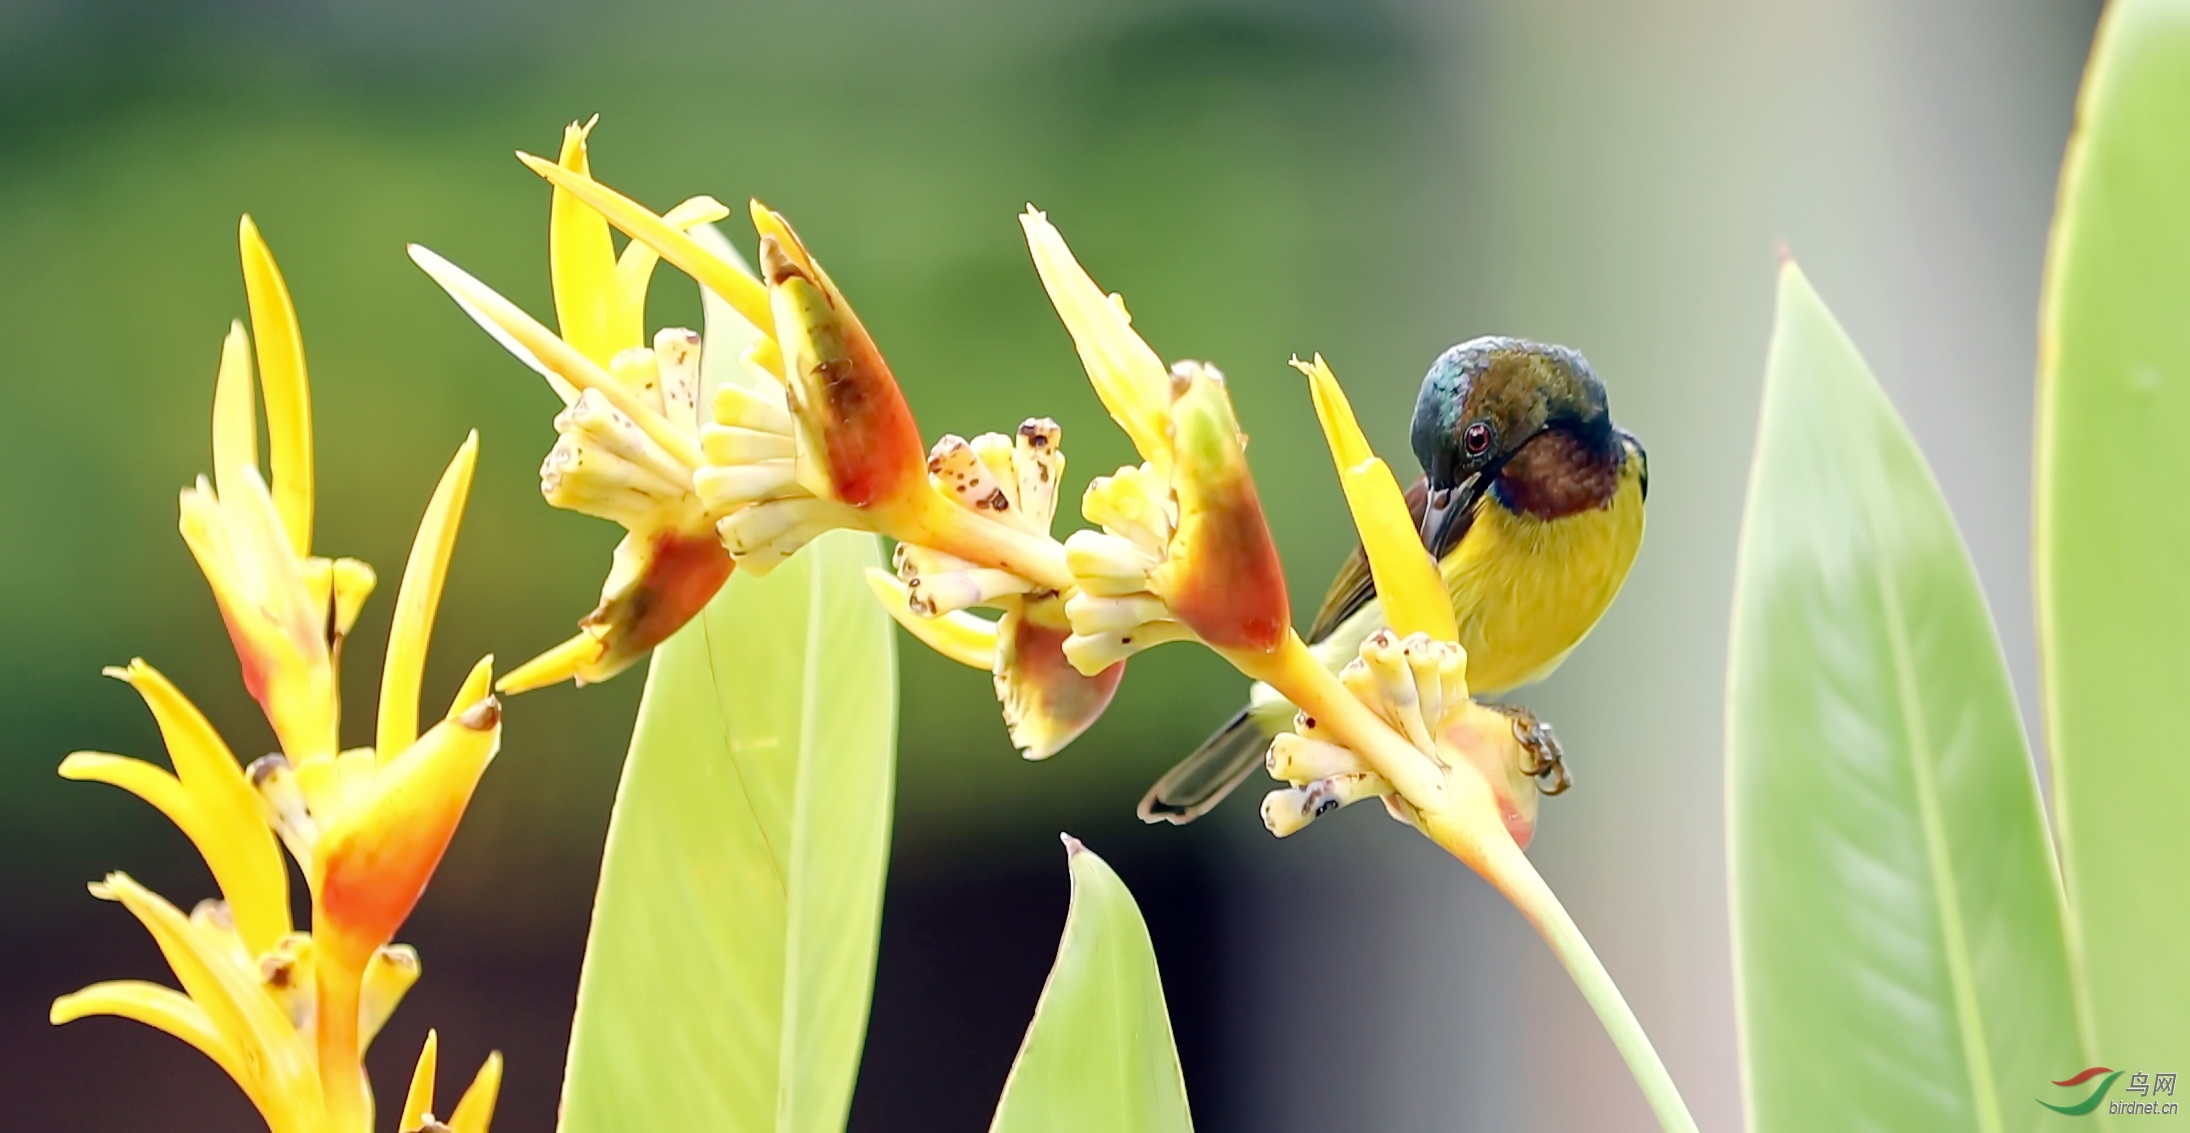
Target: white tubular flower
{"points": [[1047, 702], [1418, 687], [605, 464], [750, 479]]}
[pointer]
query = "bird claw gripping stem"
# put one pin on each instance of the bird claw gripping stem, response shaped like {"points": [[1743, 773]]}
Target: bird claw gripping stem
{"points": [[1542, 755]]}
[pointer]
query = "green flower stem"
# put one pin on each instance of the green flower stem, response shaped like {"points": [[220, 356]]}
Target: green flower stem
{"points": [[1515, 876], [1454, 806]]}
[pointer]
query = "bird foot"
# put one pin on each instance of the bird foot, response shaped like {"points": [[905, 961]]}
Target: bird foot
{"points": [[1545, 759]]}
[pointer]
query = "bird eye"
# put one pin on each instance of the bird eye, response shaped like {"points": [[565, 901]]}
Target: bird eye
{"points": [[1476, 438]]}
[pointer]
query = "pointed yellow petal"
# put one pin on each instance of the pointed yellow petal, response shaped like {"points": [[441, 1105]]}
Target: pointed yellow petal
{"points": [[279, 1068], [255, 914], [1131, 380], [350, 582], [555, 666], [581, 260], [475, 1111], [225, 820], [235, 411], [478, 685], [161, 1008], [148, 782], [288, 393], [536, 347], [742, 291], [417, 601], [965, 638], [635, 268], [418, 1103], [388, 977], [1407, 580]]}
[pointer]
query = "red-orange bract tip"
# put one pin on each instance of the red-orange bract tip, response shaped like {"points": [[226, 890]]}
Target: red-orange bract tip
{"points": [[847, 402]]}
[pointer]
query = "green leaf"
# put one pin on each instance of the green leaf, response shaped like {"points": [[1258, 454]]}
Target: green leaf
{"points": [[2113, 557], [732, 953], [1897, 919], [1098, 1057]]}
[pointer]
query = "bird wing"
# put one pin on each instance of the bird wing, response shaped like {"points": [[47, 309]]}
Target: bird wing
{"points": [[1354, 586]]}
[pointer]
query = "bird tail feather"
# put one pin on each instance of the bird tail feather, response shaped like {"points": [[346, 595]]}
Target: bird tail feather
{"points": [[1203, 778]]}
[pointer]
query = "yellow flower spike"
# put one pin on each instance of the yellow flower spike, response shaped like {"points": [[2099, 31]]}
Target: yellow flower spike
{"points": [[548, 354], [288, 393], [474, 1111], [1407, 579], [208, 798], [418, 1102], [741, 291], [581, 260], [1131, 380], [418, 600], [162, 1009], [235, 412], [279, 1072], [965, 638]]}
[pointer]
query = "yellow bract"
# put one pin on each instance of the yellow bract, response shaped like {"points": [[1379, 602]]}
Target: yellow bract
{"points": [[1133, 383], [417, 602], [1407, 580], [288, 394], [473, 1111], [208, 798], [737, 287]]}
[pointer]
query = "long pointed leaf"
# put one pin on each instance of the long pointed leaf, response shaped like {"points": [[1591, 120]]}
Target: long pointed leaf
{"points": [[2113, 556], [1098, 1056], [732, 953], [1897, 918]]}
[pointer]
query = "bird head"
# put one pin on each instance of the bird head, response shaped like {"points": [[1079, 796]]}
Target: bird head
{"points": [[1482, 403]]}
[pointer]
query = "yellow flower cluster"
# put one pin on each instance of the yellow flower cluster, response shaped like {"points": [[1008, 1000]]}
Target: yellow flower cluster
{"points": [[288, 1012]]}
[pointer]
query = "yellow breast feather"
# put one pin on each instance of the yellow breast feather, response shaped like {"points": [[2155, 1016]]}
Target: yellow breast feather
{"points": [[1528, 590]]}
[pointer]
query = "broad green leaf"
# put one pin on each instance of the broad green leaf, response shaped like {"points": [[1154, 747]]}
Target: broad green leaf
{"points": [[1098, 1057], [2113, 556], [1897, 915], [732, 952]]}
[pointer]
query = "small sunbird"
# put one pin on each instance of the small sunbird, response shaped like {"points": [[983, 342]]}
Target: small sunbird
{"points": [[1532, 501]]}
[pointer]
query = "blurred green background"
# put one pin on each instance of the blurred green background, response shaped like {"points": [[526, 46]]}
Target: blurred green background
{"points": [[1370, 180]]}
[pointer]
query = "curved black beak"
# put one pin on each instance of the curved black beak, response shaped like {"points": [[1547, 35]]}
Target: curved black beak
{"points": [[1445, 513]]}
